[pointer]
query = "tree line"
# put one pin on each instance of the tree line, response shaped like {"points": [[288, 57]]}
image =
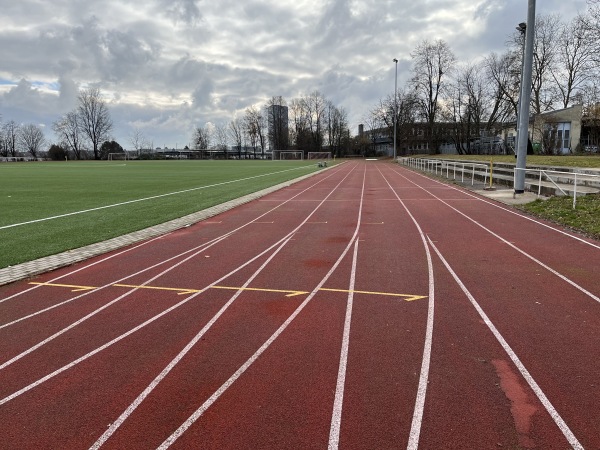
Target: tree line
{"points": [[448, 101], [308, 123]]}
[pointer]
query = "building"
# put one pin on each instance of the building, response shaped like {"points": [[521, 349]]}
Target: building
{"points": [[277, 117]]}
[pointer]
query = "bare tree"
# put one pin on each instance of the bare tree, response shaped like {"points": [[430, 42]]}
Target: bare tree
{"points": [[314, 109], [300, 132], [201, 139], [30, 139], [138, 140], [69, 133], [404, 108], [256, 127], [94, 118], [574, 61], [336, 120], [236, 133], [11, 133], [432, 61], [221, 138]]}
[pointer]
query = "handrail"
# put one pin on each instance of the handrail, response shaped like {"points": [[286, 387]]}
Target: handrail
{"points": [[432, 165]]}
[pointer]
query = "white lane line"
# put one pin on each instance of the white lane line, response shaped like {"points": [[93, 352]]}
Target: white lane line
{"points": [[215, 396], [336, 417], [217, 239], [417, 420], [158, 316], [140, 398], [83, 268], [524, 253], [513, 356], [512, 211], [153, 197]]}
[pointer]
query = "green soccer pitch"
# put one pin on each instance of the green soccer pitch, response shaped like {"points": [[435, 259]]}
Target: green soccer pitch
{"points": [[131, 195]]}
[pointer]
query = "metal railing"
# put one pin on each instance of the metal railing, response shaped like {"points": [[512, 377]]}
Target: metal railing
{"points": [[576, 177], [451, 168], [432, 165]]}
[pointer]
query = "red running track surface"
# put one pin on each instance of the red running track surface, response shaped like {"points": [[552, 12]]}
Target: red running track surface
{"points": [[366, 307]]}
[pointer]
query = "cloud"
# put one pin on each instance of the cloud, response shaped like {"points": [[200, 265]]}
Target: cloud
{"points": [[168, 65]]}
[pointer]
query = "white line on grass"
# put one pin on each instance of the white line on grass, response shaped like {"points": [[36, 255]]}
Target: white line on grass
{"points": [[513, 356], [145, 198]]}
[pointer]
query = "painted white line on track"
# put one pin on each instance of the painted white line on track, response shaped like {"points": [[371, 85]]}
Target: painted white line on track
{"points": [[156, 317], [140, 398], [219, 238], [153, 197], [417, 420], [83, 268], [238, 373], [336, 417], [512, 211], [523, 252], [513, 356]]}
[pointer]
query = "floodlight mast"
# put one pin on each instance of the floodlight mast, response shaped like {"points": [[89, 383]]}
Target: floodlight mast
{"points": [[395, 105], [525, 99]]}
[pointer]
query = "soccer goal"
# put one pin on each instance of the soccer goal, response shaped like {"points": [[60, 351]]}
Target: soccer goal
{"points": [[319, 155], [117, 156], [291, 155]]}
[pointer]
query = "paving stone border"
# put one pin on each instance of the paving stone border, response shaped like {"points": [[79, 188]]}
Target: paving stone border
{"points": [[28, 269]]}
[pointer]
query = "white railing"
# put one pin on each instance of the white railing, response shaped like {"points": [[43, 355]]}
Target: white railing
{"points": [[449, 167], [440, 167], [575, 177]]}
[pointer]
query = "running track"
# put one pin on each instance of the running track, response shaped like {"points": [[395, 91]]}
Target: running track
{"points": [[365, 307]]}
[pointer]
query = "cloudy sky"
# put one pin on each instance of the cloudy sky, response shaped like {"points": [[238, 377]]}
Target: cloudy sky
{"points": [[166, 66]]}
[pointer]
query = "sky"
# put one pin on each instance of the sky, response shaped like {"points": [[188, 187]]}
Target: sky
{"points": [[167, 66]]}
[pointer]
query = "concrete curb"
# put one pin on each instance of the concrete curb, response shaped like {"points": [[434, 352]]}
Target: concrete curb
{"points": [[28, 269]]}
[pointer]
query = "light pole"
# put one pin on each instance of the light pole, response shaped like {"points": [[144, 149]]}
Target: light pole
{"points": [[395, 105], [525, 98]]}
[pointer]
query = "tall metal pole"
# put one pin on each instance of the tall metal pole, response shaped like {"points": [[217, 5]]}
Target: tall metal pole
{"points": [[525, 99], [395, 105]]}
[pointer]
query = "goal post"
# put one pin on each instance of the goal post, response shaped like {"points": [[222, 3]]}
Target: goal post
{"points": [[122, 156], [319, 155], [289, 155]]}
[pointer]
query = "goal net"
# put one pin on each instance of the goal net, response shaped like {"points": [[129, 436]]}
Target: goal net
{"points": [[291, 155], [117, 156], [319, 155]]}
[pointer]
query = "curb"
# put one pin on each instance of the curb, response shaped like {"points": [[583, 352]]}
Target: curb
{"points": [[28, 269]]}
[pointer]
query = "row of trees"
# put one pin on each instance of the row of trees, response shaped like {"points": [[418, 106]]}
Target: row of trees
{"points": [[16, 139], [309, 123], [469, 99]]}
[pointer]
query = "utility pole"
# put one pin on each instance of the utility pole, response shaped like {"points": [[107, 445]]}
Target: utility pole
{"points": [[525, 99]]}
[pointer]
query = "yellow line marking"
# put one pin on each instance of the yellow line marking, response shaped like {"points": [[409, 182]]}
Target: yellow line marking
{"points": [[289, 293], [184, 291], [211, 221], [73, 288], [407, 297], [158, 288]]}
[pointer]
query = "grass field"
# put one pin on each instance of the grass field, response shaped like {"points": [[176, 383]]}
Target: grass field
{"points": [[38, 191]]}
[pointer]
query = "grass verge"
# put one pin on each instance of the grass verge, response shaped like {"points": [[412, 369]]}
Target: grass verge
{"points": [[584, 161], [585, 218]]}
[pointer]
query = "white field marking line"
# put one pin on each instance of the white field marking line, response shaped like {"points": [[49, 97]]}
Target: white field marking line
{"points": [[158, 316], [336, 417], [214, 240], [238, 373], [140, 398], [523, 252], [417, 420], [513, 356], [516, 213], [96, 311], [82, 268], [153, 197], [144, 394]]}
